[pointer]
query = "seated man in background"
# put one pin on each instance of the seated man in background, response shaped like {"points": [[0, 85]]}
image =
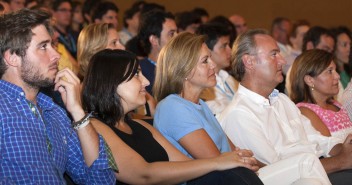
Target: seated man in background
{"points": [[261, 119], [187, 21], [315, 38], [239, 22], [299, 29], [106, 12], [218, 40]]}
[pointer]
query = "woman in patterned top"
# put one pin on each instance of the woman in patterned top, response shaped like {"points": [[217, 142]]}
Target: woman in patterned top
{"points": [[314, 84]]}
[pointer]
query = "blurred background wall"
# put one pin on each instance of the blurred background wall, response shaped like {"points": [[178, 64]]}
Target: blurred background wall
{"points": [[260, 13]]}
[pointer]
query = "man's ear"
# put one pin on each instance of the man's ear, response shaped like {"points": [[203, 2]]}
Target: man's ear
{"points": [[11, 59], [308, 80], [154, 40], [248, 61]]}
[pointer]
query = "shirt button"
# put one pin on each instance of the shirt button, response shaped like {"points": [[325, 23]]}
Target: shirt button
{"points": [[22, 93]]}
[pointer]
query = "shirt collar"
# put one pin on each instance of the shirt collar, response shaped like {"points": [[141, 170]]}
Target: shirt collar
{"points": [[14, 91], [259, 99], [221, 78], [223, 74]]}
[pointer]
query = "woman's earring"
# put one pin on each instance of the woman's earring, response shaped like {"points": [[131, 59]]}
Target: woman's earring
{"points": [[312, 88], [186, 78]]}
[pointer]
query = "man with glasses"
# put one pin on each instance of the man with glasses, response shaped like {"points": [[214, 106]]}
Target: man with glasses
{"points": [[106, 12], [62, 14]]}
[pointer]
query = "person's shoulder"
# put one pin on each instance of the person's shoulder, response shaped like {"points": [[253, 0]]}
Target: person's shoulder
{"points": [[146, 65], [171, 99], [284, 97], [236, 105], [174, 106], [5, 101], [2, 94]]}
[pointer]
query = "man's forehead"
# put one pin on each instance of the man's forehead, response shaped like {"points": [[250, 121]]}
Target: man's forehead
{"points": [[224, 38], [40, 33], [169, 24], [263, 38], [265, 42], [325, 37]]}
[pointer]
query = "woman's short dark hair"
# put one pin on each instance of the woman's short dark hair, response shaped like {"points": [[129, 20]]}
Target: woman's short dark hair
{"points": [[106, 71]]}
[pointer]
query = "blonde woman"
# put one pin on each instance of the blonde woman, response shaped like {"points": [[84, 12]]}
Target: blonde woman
{"points": [[184, 70], [94, 38]]}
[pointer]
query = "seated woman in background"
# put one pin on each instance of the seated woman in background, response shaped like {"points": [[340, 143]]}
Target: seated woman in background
{"points": [[342, 53], [314, 84], [94, 38], [99, 36], [184, 70], [113, 86]]}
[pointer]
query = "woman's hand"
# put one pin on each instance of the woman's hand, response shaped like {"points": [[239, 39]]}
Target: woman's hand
{"points": [[237, 158]]}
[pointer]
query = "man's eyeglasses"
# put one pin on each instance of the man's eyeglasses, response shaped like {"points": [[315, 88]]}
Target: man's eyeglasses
{"points": [[64, 10]]}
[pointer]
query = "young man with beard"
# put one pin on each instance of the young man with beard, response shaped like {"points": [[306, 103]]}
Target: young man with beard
{"points": [[37, 141]]}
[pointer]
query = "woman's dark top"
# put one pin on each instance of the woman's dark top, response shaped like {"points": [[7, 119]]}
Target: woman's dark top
{"points": [[142, 141]]}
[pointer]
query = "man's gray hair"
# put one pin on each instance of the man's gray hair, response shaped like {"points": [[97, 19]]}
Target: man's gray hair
{"points": [[244, 44]]}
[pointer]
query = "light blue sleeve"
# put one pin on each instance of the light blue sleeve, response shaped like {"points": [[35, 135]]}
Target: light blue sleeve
{"points": [[175, 118]]}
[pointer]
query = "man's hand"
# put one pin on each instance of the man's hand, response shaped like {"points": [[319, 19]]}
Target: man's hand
{"points": [[345, 154], [68, 84]]}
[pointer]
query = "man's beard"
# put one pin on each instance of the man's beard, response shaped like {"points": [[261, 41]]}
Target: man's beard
{"points": [[33, 77]]}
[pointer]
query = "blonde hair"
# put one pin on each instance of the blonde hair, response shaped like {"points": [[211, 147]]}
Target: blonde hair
{"points": [[93, 38], [175, 62]]}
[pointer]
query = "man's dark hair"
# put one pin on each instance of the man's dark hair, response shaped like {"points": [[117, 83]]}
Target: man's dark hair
{"points": [[89, 7], [313, 35], [16, 32], [57, 3], [147, 7], [134, 46], [129, 13], [200, 12], [213, 32], [228, 24], [103, 8], [152, 24], [186, 18]]}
